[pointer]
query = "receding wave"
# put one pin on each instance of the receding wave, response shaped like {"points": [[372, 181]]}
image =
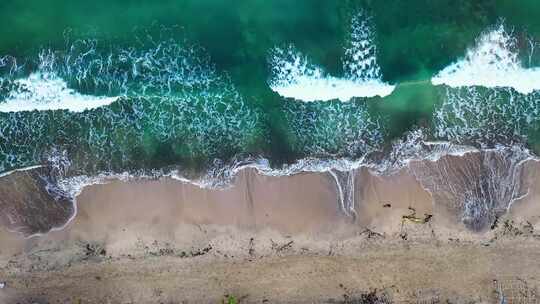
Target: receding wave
{"points": [[478, 187]]}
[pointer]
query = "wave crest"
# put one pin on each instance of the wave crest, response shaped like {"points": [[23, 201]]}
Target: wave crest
{"points": [[295, 76], [494, 62]]}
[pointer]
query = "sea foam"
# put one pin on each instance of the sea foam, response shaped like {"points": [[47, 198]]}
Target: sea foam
{"points": [[44, 91], [493, 62], [294, 76]]}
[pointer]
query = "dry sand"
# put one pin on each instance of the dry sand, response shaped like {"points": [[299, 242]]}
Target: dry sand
{"points": [[269, 239]]}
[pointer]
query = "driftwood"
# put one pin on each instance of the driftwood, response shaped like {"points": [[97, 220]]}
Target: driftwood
{"points": [[415, 219], [283, 247], [371, 234]]}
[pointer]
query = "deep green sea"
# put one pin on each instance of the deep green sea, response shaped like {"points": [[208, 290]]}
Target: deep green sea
{"points": [[94, 87]]}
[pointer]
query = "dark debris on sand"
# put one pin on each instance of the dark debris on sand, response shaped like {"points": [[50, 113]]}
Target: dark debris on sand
{"points": [[369, 297]]}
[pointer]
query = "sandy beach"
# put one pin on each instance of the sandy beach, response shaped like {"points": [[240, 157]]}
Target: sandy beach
{"points": [[272, 240]]}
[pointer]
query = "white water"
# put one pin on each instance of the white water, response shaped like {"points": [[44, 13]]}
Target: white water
{"points": [[479, 187], [294, 76], [494, 62], [46, 91], [327, 88], [19, 170]]}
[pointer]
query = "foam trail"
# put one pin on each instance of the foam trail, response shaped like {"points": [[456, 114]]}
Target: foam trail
{"points": [[477, 187], [481, 115], [345, 189], [493, 62], [4, 174], [294, 76], [46, 91]]}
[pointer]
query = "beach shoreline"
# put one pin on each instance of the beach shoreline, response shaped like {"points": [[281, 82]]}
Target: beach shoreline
{"points": [[274, 239], [269, 224]]}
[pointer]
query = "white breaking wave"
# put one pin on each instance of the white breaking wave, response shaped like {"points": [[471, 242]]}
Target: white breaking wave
{"points": [[46, 91], [294, 76], [493, 62]]}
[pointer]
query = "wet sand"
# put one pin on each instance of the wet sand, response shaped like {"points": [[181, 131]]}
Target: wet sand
{"points": [[279, 239]]}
